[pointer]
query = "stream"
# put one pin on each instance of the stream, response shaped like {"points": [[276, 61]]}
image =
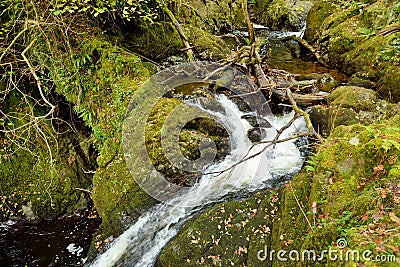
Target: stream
{"points": [[66, 242], [142, 242]]}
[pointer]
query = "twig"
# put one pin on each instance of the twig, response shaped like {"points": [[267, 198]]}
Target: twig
{"points": [[273, 143], [303, 114], [83, 190], [13, 42], [185, 41], [298, 204]]}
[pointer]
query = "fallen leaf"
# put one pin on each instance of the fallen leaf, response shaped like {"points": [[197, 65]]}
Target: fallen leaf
{"points": [[394, 218]]}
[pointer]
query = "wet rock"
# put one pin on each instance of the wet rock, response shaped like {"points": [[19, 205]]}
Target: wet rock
{"points": [[174, 60], [256, 121], [256, 134]]}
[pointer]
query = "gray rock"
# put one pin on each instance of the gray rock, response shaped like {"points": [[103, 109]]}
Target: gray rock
{"points": [[346, 166], [319, 118], [28, 213]]}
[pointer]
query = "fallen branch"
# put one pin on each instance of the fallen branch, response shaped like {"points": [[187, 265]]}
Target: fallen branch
{"points": [[303, 114], [301, 100], [185, 41], [393, 28], [272, 143], [302, 211], [309, 47]]}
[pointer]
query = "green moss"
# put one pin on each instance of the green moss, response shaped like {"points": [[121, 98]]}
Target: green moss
{"points": [[220, 236], [156, 41], [40, 170], [348, 40], [100, 81], [282, 14], [320, 11], [353, 97], [213, 16], [161, 40]]}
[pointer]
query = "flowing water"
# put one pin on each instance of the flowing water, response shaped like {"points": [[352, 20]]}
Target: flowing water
{"points": [[142, 242], [52, 244]]}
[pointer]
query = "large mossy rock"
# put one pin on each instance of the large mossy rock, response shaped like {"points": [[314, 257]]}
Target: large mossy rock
{"points": [[350, 190], [350, 105], [161, 40], [347, 36], [212, 15], [282, 15]]}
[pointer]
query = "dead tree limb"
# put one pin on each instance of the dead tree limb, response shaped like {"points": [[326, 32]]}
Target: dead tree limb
{"points": [[393, 28], [309, 47], [185, 41], [249, 25], [301, 100], [272, 143], [303, 114]]}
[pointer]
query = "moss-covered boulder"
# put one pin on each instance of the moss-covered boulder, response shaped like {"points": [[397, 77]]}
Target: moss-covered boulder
{"points": [[350, 105], [212, 15], [352, 36], [287, 15], [161, 40], [349, 190]]}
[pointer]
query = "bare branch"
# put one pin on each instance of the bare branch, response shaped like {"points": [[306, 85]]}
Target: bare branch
{"points": [[302, 113], [272, 143]]}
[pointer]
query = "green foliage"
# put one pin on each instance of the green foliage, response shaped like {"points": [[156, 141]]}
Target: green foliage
{"points": [[390, 52], [145, 10], [365, 32], [396, 9], [312, 164]]}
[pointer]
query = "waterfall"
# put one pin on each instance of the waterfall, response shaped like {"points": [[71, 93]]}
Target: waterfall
{"points": [[142, 242]]}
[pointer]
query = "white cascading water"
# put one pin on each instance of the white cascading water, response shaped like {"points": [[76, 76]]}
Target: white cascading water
{"points": [[142, 242]]}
